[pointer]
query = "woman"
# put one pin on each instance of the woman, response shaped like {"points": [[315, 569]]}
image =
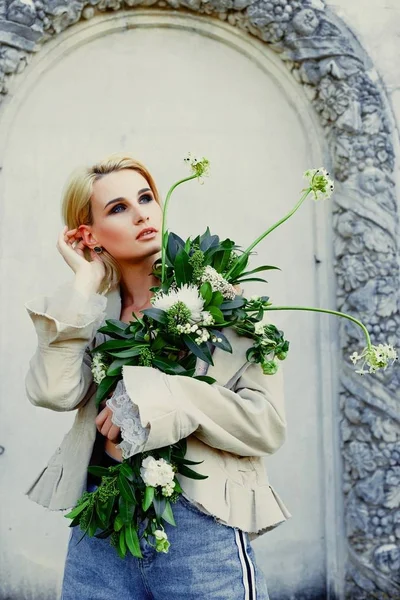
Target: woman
{"points": [[112, 238]]}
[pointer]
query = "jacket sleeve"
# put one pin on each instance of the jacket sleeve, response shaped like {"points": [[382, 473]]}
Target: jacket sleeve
{"points": [[59, 375], [248, 420]]}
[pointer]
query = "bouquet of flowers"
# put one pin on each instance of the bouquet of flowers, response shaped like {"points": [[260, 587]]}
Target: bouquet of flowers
{"points": [[197, 299]]}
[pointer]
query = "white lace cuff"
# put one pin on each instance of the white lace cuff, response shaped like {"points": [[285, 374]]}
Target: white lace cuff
{"points": [[126, 417]]}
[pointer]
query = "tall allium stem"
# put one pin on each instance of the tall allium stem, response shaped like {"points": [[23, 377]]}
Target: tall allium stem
{"points": [[263, 235], [330, 312], [164, 220]]}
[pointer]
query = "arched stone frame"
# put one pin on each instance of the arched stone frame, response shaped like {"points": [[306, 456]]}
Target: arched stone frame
{"points": [[347, 95]]}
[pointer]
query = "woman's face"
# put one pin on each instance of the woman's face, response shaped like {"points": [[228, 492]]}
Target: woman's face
{"points": [[123, 207]]}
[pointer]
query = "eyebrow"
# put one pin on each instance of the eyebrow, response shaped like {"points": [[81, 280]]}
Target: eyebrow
{"points": [[122, 198]]}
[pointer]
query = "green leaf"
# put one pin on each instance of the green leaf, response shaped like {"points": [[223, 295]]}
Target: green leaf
{"points": [[183, 470], [126, 510], [216, 314], [206, 292], [251, 279], [237, 302], [108, 508], [177, 487], [175, 243], [240, 265], [127, 471], [183, 269], [205, 378], [122, 544], [201, 352], [134, 351], [75, 521], [209, 242], [168, 514], [118, 523], [104, 534], [159, 505], [258, 269], [126, 489], [188, 245], [91, 511], [217, 299], [116, 366], [156, 314], [113, 345], [224, 344], [158, 343], [185, 461], [93, 525], [221, 260], [77, 510], [148, 497], [132, 540], [117, 327], [104, 388], [168, 366], [165, 453], [100, 471], [205, 235], [101, 514]]}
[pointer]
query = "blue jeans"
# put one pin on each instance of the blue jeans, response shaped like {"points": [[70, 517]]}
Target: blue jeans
{"points": [[206, 561]]}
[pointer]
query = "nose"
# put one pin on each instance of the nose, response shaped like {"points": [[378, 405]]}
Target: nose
{"points": [[140, 217]]}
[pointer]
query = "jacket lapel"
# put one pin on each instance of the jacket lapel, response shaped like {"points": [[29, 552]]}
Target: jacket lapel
{"points": [[113, 308]]}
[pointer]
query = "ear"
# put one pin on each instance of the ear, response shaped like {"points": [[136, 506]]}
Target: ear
{"points": [[87, 236]]}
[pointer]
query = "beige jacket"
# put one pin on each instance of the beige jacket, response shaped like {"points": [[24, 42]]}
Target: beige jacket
{"points": [[230, 425]]}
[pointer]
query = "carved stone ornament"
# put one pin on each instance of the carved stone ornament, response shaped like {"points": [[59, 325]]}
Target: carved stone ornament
{"points": [[335, 72]]}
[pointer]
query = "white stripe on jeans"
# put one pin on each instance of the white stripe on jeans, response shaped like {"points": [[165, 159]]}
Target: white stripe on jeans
{"points": [[249, 579]]}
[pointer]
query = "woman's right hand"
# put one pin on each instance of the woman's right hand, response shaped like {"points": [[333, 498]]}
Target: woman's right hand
{"points": [[74, 256]]}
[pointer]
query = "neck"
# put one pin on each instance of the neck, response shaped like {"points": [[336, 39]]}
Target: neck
{"points": [[136, 281]]}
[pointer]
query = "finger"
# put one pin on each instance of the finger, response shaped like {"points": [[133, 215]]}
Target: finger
{"points": [[74, 233], [113, 433], [101, 417], [106, 428]]}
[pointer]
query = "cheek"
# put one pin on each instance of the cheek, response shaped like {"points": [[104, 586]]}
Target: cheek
{"points": [[112, 230], [157, 213]]}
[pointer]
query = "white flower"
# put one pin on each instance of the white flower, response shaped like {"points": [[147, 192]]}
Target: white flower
{"points": [[207, 318], [203, 336], [99, 369], [168, 489], [218, 283], [199, 167], [162, 543], [159, 534], [188, 294], [376, 357], [156, 472], [320, 182], [258, 328]]}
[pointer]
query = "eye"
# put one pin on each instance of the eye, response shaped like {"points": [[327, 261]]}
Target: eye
{"points": [[114, 210], [146, 198]]}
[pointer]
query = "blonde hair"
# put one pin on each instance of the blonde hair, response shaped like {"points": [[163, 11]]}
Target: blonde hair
{"points": [[77, 207]]}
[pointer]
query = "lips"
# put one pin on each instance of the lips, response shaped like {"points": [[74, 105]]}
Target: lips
{"points": [[147, 230]]}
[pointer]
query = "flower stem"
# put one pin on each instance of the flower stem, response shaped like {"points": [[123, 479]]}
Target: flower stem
{"points": [[263, 235], [329, 312], [164, 219]]}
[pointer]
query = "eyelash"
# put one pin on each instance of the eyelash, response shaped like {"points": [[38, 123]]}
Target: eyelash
{"points": [[113, 211]]}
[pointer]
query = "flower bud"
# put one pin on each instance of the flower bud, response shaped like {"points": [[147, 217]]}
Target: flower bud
{"points": [[269, 367]]}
